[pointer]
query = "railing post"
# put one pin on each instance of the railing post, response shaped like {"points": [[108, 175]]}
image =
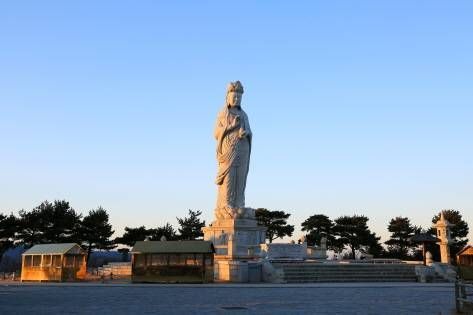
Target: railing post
{"points": [[457, 296], [463, 291]]}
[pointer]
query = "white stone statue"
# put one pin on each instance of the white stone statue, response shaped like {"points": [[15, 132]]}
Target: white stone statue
{"points": [[235, 233], [233, 135]]}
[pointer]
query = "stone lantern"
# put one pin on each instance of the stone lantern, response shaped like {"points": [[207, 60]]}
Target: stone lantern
{"points": [[443, 234]]}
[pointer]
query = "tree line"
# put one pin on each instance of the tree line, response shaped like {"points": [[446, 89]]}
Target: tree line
{"points": [[353, 233], [58, 222], [344, 232]]}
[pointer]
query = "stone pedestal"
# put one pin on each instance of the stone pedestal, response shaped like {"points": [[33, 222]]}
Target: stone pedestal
{"points": [[237, 244], [314, 252], [231, 270], [282, 251], [235, 238]]}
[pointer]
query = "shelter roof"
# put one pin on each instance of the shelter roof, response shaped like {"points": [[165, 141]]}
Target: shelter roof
{"points": [[464, 249], [173, 247], [57, 249], [424, 237]]}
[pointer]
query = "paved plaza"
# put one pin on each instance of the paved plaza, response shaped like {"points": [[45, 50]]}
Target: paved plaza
{"points": [[357, 298]]}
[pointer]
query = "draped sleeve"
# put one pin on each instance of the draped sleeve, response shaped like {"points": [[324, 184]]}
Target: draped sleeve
{"points": [[220, 125]]}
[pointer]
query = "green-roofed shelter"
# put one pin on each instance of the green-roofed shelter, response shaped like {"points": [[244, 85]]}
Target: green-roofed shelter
{"points": [[172, 261], [54, 262]]}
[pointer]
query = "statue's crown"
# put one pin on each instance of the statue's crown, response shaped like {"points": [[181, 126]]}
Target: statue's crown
{"points": [[235, 87]]}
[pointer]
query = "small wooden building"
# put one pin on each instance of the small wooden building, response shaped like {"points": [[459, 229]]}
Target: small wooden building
{"points": [[465, 256], [54, 262], [172, 261]]}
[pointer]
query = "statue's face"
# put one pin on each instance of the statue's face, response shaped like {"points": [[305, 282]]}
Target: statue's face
{"points": [[234, 99]]}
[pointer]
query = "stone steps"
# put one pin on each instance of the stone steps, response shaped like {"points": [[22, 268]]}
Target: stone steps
{"points": [[345, 266], [355, 277], [317, 272], [351, 270], [347, 274], [350, 280]]}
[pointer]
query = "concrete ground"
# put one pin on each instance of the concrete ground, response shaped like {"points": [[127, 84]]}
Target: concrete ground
{"points": [[340, 298]]}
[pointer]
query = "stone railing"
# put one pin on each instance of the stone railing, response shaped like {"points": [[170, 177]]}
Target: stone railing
{"points": [[464, 297]]}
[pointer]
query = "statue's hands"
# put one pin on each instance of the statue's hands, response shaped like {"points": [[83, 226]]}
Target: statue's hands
{"points": [[242, 133], [236, 121]]}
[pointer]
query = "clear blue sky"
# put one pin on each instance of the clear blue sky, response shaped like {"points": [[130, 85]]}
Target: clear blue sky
{"points": [[356, 106]]}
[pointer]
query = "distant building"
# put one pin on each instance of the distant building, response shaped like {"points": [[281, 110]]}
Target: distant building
{"points": [[465, 256], [54, 262], [115, 270], [172, 261]]}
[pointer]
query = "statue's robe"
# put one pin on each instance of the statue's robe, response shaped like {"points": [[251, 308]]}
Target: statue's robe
{"points": [[233, 157]]}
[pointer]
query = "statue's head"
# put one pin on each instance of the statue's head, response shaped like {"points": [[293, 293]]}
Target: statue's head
{"points": [[234, 94]]}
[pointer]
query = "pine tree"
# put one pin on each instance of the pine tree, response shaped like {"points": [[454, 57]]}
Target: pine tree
{"points": [[353, 231], [166, 230], [318, 226], [400, 245], [95, 231], [8, 228], [191, 226], [49, 223], [275, 222], [133, 235]]}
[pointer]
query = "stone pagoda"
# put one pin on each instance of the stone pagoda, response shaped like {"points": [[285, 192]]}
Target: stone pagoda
{"points": [[443, 234]]}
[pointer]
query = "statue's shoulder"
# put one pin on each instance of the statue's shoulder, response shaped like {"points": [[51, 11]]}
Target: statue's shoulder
{"points": [[222, 113], [243, 112]]}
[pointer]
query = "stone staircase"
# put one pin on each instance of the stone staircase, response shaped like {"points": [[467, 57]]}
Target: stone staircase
{"points": [[335, 272]]}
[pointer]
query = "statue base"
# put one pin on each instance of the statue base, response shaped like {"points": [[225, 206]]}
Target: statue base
{"points": [[238, 271], [235, 238], [237, 248]]}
